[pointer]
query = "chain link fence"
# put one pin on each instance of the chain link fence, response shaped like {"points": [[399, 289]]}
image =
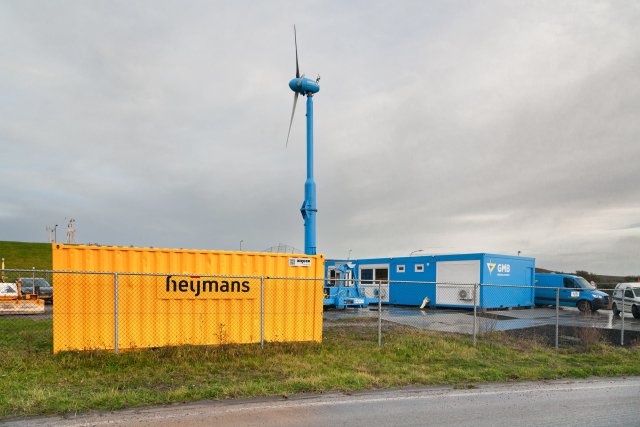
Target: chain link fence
{"points": [[124, 311], [118, 311], [485, 313]]}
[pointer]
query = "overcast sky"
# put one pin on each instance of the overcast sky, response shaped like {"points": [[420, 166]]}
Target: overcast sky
{"points": [[446, 126]]}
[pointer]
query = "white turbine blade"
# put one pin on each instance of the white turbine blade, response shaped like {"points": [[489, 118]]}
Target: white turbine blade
{"points": [[293, 111], [295, 38]]}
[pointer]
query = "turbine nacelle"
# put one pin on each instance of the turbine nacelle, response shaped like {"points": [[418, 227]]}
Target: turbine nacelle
{"points": [[300, 85], [304, 86]]}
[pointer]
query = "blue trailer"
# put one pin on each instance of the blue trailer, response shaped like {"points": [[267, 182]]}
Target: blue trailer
{"points": [[446, 280]]}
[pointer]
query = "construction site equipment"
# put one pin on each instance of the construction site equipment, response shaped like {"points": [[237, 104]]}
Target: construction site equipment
{"points": [[342, 288], [13, 301]]}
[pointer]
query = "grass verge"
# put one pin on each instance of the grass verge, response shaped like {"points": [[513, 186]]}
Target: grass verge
{"points": [[22, 255], [33, 381]]}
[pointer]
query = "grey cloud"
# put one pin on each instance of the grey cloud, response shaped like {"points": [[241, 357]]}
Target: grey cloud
{"points": [[449, 127]]}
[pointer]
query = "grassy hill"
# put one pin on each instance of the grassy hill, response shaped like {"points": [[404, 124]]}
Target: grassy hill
{"points": [[600, 279], [23, 255]]}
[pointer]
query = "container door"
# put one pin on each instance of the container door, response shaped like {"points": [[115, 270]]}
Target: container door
{"points": [[455, 282], [366, 281], [529, 281], [374, 276], [382, 278]]}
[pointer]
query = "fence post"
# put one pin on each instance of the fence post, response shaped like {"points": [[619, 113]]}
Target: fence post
{"points": [[557, 314], [622, 317], [262, 312], [115, 312], [475, 313], [379, 313]]}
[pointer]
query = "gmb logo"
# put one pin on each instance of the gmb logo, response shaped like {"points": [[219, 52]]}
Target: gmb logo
{"points": [[502, 268]]}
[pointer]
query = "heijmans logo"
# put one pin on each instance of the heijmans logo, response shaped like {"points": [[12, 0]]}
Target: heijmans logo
{"points": [[196, 287]]}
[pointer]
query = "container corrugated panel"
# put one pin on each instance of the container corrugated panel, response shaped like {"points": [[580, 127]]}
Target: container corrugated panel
{"points": [[178, 301]]}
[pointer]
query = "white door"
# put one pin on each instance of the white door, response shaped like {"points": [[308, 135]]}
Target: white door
{"points": [[375, 276], [455, 282]]}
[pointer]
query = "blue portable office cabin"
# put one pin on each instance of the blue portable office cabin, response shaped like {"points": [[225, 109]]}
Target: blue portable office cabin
{"points": [[447, 280]]}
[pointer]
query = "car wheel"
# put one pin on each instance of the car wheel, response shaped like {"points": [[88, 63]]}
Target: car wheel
{"points": [[584, 306], [635, 311], [615, 310]]}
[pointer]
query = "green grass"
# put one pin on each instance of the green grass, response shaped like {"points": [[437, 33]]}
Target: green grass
{"points": [[34, 381], [21, 255]]}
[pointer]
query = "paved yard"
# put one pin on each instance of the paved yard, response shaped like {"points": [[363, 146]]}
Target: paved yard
{"points": [[461, 321]]}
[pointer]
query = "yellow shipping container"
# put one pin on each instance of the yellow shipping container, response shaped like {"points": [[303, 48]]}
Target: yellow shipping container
{"points": [[182, 297]]}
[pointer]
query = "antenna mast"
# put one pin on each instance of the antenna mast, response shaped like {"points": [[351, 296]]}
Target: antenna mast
{"points": [[71, 232], [50, 231]]}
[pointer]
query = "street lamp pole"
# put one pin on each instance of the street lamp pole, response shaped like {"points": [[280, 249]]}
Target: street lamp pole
{"points": [[55, 234], [241, 244]]}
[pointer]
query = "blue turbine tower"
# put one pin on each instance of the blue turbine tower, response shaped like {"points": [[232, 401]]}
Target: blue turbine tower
{"points": [[306, 87]]}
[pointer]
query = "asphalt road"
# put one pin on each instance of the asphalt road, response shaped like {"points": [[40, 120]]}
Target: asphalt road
{"points": [[597, 402]]}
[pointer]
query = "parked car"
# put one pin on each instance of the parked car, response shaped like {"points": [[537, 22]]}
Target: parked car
{"points": [[631, 297], [575, 291], [43, 288]]}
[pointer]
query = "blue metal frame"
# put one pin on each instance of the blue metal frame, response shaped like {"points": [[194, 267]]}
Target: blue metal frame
{"points": [[307, 87], [309, 209], [345, 293]]}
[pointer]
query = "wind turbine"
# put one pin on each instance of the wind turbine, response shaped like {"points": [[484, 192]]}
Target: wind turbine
{"points": [[304, 86]]}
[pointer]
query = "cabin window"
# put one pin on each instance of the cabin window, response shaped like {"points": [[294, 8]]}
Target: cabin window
{"points": [[419, 268], [366, 275], [334, 277], [400, 269], [371, 275]]}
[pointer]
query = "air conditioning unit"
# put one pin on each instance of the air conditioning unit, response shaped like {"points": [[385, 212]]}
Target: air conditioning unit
{"points": [[455, 294], [465, 295]]}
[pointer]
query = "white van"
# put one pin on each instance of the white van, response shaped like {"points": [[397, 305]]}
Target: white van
{"points": [[631, 299]]}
